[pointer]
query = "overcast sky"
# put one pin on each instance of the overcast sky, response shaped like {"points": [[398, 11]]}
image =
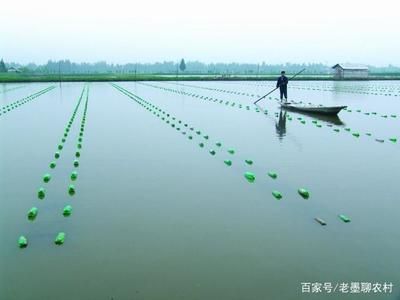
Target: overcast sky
{"points": [[253, 31]]}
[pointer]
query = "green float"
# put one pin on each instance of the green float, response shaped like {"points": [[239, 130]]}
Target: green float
{"points": [[304, 193], [76, 163], [201, 145], [67, 211], [277, 195], [60, 238], [22, 242], [218, 144], [60, 147], [228, 162], [74, 175], [212, 152], [344, 218], [231, 151], [248, 161], [41, 193], [52, 165], [250, 177], [57, 155], [71, 190], [394, 140], [32, 213], [273, 175], [77, 154], [356, 134], [46, 177]]}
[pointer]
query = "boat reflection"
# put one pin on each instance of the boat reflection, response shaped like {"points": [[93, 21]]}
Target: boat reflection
{"points": [[331, 119]]}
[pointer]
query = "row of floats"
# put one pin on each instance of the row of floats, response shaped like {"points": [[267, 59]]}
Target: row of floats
{"points": [[41, 192], [191, 132]]}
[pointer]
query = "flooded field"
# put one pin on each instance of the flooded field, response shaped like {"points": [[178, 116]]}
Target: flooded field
{"points": [[186, 190]]}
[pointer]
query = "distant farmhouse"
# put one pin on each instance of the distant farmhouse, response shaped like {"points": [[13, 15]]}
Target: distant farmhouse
{"points": [[348, 71], [13, 70]]}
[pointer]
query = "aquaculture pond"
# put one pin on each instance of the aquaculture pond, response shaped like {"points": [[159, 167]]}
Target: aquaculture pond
{"points": [[186, 190]]}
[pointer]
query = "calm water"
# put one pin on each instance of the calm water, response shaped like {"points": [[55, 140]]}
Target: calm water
{"points": [[155, 216]]}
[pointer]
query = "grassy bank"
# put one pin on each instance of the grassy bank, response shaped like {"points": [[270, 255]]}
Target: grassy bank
{"points": [[20, 77]]}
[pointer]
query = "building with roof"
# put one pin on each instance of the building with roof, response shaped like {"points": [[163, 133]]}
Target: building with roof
{"points": [[350, 71], [13, 70]]}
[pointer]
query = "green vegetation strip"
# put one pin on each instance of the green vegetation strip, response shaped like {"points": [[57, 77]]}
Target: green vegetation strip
{"points": [[14, 105]]}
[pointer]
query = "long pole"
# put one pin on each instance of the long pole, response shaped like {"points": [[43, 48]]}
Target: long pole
{"points": [[278, 86]]}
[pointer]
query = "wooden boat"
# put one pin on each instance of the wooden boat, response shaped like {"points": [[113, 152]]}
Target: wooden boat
{"points": [[312, 109]]}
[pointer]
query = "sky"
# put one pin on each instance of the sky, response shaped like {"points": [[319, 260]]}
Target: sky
{"points": [[250, 31]]}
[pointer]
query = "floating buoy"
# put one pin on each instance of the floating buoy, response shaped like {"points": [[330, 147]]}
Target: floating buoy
{"points": [[60, 147], [74, 175], [250, 177], [320, 221], [201, 145], [41, 193], [67, 210], [380, 140], [76, 163], [77, 154], [46, 177], [356, 134], [190, 137], [32, 213], [347, 129], [57, 155], [60, 238], [277, 195], [231, 151], [22, 242], [71, 189], [79, 146], [218, 144], [336, 129], [52, 165], [228, 162], [212, 152], [368, 134], [273, 175], [394, 140], [344, 218], [206, 137], [304, 193], [248, 161]]}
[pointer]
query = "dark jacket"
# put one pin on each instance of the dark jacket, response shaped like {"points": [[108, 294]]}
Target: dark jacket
{"points": [[282, 82]]}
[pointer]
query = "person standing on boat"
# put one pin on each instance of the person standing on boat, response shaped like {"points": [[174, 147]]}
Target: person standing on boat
{"points": [[282, 85]]}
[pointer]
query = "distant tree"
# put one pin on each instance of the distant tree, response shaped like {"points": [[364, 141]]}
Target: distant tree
{"points": [[3, 68], [182, 65]]}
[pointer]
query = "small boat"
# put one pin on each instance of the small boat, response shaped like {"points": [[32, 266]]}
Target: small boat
{"points": [[312, 109]]}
